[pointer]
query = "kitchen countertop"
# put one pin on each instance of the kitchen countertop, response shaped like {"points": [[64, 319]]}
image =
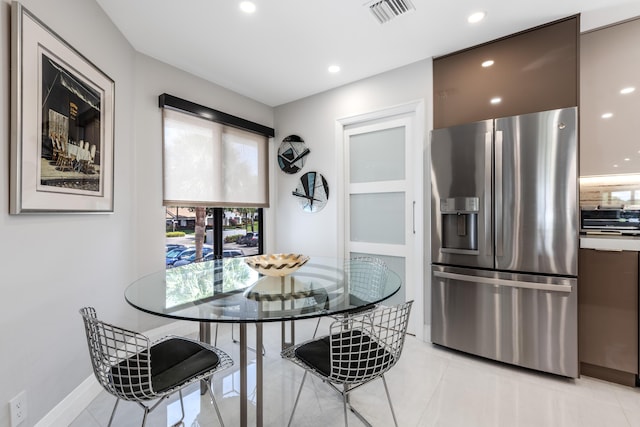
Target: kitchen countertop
{"points": [[611, 243]]}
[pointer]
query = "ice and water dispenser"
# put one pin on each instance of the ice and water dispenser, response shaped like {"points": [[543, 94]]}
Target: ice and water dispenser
{"points": [[460, 224]]}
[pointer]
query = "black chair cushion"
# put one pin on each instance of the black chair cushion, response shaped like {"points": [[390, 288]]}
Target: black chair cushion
{"points": [[173, 362], [356, 356]]}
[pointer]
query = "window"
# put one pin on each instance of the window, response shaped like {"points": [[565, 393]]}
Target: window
{"points": [[240, 234], [215, 176]]}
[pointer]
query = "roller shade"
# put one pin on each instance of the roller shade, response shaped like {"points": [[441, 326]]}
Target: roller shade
{"points": [[206, 163]]}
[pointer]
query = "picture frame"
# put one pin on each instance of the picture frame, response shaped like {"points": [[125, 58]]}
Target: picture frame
{"points": [[62, 124]]}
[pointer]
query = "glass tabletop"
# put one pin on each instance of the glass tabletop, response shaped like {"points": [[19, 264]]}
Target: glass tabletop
{"points": [[228, 290]]}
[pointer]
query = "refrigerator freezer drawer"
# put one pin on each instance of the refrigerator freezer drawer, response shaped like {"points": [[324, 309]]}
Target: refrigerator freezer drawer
{"points": [[525, 320]]}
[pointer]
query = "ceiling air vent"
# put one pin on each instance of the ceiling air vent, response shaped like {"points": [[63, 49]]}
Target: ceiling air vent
{"points": [[386, 10]]}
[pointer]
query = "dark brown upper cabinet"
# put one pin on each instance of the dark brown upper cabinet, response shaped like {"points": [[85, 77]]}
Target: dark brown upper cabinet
{"points": [[609, 107], [535, 70]]}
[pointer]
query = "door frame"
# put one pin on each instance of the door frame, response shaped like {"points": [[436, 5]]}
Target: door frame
{"points": [[415, 111]]}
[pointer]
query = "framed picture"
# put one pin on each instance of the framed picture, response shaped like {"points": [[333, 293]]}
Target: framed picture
{"points": [[62, 124]]}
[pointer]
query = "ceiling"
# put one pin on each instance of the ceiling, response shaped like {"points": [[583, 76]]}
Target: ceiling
{"points": [[281, 52]]}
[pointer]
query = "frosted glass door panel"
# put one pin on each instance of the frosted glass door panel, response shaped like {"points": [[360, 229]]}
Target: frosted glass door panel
{"points": [[378, 197], [378, 218], [377, 156]]}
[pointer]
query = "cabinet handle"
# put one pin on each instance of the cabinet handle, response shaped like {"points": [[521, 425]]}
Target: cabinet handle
{"points": [[605, 233]]}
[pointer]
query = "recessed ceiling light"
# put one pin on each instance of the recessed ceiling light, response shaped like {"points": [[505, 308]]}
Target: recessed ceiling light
{"points": [[247, 6], [607, 115], [334, 69], [488, 63], [496, 100], [476, 17], [626, 159], [627, 90], [615, 166]]}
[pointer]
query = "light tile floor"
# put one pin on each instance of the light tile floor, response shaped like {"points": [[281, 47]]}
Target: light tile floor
{"points": [[430, 386]]}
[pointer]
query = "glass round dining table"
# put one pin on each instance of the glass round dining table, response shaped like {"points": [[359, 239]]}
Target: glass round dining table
{"points": [[229, 291]]}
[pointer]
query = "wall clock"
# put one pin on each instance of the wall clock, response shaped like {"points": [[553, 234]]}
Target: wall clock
{"points": [[292, 153], [312, 192]]}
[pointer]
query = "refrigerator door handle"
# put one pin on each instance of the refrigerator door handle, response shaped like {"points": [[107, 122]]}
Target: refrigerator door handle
{"points": [[488, 161], [498, 196], [501, 282]]}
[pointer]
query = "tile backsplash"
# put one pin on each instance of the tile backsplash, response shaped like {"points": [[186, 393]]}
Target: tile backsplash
{"points": [[610, 190]]}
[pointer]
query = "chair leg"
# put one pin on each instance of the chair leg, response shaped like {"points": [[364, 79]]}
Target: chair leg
{"points": [[295, 404], [316, 330], [148, 409], [144, 417], [345, 402], [181, 408], [389, 399], [114, 411], [352, 409], [213, 400]]}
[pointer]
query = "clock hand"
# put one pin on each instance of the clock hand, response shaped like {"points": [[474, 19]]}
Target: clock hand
{"points": [[298, 157], [301, 155], [296, 193]]}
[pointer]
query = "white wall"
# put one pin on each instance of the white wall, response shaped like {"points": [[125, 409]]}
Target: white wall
{"points": [[54, 264]]}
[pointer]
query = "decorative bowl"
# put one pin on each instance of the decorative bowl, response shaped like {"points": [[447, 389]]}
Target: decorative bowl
{"points": [[276, 264]]}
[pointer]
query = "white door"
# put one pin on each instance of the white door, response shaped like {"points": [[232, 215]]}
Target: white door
{"points": [[382, 213]]}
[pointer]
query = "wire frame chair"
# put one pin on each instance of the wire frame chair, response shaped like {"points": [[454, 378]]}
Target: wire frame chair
{"points": [[131, 368], [358, 350], [366, 277]]}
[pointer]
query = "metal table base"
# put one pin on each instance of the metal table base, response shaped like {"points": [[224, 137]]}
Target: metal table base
{"points": [[205, 336]]}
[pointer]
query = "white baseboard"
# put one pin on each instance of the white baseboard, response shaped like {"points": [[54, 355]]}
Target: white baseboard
{"points": [[72, 405], [77, 401]]}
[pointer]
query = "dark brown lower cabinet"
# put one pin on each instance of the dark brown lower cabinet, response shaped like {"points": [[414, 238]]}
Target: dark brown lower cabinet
{"points": [[608, 315]]}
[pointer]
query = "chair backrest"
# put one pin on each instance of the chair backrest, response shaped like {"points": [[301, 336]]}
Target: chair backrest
{"points": [[120, 358], [367, 277], [367, 345]]}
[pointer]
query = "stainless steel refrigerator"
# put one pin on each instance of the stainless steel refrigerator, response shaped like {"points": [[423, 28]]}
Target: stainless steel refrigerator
{"points": [[504, 245]]}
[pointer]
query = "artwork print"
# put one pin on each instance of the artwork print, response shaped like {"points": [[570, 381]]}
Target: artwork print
{"points": [[62, 123], [71, 142]]}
